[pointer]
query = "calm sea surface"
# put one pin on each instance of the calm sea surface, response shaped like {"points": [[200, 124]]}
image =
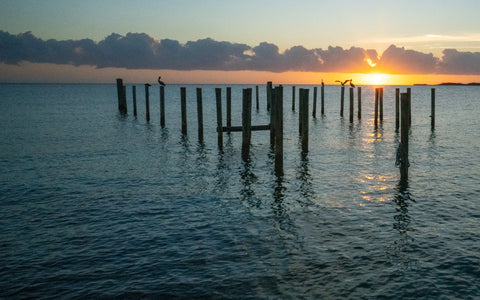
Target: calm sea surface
{"points": [[95, 204]]}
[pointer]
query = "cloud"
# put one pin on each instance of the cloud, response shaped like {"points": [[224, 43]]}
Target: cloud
{"points": [[140, 51], [402, 61], [455, 62]]}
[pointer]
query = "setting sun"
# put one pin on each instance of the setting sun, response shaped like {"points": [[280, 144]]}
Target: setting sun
{"points": [[377, 79]]}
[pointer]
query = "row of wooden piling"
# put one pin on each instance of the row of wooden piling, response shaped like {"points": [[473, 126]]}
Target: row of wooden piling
{"points": [[275, 105], [378, 112]]}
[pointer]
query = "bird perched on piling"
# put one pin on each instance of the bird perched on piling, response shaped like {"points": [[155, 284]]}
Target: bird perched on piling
{"points": [[323, 84], [351, 84], [160, 81]]}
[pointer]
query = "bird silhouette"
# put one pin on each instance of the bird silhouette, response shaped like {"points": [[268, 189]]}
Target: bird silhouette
{"points": [[343, 82], [160, 81], [351, 84], [323, 84]]}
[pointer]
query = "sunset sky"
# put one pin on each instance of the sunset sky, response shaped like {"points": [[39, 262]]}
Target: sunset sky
{"points": [[221, 41]]}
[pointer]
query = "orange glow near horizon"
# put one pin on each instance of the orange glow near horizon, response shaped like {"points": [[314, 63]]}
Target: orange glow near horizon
{"points": [[45, 72]]}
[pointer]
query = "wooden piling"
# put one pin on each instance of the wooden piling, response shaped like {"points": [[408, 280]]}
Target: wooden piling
{"points": [[278, 124], [432, 115], [200, 115], [147, 101], [183, 100], [256, 97], [314, 109], [303, 116], [121, 95], [134, 97], [409, 92], [397, 109], [218, 95], [162, 106], [124, 99], [381, 104], [359, 96], [293, 98], [269, 95], [229, 109], [322, 99], [246, 122], [342, 97], [272, 119], [351, 105], [404, 136], [376, 107]]}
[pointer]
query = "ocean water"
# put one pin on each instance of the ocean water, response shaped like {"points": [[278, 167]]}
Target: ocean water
{"points": [[94, 204]]}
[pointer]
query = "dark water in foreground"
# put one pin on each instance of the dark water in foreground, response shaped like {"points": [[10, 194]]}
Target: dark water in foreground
{"points": [[93, 204]]}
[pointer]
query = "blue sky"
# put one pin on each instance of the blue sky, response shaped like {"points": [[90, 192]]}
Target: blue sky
{"points": [[423, 25]]}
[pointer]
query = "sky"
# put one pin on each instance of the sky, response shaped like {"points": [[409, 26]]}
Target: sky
{"points": [[223, 41]]}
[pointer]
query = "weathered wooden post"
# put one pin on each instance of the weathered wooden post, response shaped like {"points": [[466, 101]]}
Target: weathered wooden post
{"points": [[218, 94], [342, 96], [269, 94], [272, 119], [256, 97], [122, 101], [351, 105], [404, 164], [381, 104], [409, 92], [278, 102], [303, 114], [376, 107], [322, 96], [359, 112], [229, 109], [183, 99], [119, 93], [200, 115], [293, 98], [162, 106], [397, 109], [314, 110], [147, 101], [246, 122], [134, 96], [433, 109]]}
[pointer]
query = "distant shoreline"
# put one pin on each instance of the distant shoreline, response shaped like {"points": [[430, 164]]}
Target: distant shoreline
{"points": [[451, 83]]}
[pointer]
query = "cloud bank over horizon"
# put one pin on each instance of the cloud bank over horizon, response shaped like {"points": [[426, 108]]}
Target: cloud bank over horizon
{"points": [[140, 51]]}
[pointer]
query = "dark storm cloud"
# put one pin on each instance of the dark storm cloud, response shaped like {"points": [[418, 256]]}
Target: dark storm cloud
{"points": [[140, 51]]}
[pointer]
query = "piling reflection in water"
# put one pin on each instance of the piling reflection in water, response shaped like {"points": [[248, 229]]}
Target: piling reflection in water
{"points": [[248, 179], [305, 178]]}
